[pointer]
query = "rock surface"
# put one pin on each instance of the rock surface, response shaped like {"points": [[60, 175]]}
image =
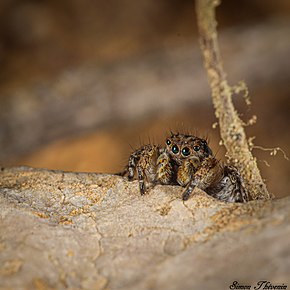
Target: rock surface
{"points": [[63, 230]]}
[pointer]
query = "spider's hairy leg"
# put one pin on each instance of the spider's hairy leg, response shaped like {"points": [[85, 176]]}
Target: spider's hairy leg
{"points": [[146, 167], [164, 168], [208, 174], [142, 166], [130, 169], [141, 178], [133, 160], [189, 189]]}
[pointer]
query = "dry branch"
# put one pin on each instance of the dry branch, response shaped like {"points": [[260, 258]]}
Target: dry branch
{"points": [[231, 126]]}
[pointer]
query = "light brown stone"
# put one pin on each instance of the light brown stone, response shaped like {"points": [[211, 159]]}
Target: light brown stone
{"points": [[63, 230]]}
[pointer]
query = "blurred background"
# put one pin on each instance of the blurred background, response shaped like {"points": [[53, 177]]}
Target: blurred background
{"points": [[82, 81]]}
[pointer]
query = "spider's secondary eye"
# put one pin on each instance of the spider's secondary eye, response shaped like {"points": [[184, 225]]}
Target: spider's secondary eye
{"points": [[196, 148], [168, 142], [185, 151], [175, 149]]}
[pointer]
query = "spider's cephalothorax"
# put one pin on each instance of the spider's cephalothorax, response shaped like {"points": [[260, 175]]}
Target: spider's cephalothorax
{"points": [[181, 147], [186, 152], [188, 161]]}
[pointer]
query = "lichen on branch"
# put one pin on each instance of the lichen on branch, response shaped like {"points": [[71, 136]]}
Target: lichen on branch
{"points": [[231, 126]]}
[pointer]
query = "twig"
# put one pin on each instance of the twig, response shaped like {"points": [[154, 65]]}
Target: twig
{"points": [[231, 126]]}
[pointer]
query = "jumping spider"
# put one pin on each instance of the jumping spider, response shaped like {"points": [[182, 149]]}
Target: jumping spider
{"points": [[188, 161]]}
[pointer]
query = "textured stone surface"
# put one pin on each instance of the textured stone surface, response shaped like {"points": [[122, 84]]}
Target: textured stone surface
{"points": [[93, 231]]}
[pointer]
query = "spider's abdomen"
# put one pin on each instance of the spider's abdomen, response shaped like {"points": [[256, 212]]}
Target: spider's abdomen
{"points": [[230, 188]]}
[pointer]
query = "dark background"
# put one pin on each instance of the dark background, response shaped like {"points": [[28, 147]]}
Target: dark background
{"points": [[81, 80]]}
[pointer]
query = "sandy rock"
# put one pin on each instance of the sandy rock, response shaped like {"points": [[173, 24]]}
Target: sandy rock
{"points": [[62, 230]]}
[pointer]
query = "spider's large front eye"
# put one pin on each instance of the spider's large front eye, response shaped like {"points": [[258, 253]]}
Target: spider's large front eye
{"points": [[196, 148], [175, 149], [185, 151], [168, 142]]}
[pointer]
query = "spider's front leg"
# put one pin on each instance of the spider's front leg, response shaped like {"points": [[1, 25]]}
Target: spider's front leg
{"points": [[132, 164], [207, 174], [142, 165], [164, 172], [130, 169]]}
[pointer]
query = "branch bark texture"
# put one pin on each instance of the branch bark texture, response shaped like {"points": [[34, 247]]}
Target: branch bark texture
{"points": [[231, 126]]}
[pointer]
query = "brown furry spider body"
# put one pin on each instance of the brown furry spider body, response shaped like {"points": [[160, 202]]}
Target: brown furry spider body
{"points": [[188, 161]]}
